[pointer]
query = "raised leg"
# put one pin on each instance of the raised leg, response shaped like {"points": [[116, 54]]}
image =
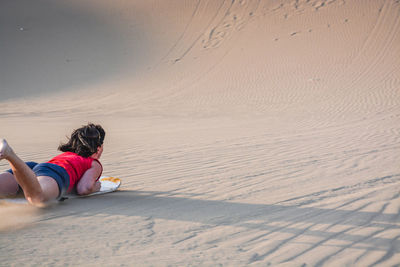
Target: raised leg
{"points": [[37, 190]]}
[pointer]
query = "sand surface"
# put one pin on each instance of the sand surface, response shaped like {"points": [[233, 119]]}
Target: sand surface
{"points": [[246, 133]]}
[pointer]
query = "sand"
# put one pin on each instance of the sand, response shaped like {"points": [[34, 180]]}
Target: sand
{"points": [[246, 133]]}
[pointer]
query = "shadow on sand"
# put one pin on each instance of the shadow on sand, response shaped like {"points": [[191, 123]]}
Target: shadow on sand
{"points": [[52, 46], [268, 219]]}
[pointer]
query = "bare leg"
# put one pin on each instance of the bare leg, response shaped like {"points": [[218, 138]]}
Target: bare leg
{"points": [[8, 185], [37, 190]]}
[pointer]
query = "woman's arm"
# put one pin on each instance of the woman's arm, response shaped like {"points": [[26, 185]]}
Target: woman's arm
{"points": [[88, 184]]}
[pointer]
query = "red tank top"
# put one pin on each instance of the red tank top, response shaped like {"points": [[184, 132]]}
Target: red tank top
{"points": [[75, 166]]}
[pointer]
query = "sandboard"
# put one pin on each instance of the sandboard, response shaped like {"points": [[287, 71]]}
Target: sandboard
{"points": [[108, 185]]}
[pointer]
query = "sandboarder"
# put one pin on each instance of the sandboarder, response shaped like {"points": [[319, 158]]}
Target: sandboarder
{"points": [[78, 168]]}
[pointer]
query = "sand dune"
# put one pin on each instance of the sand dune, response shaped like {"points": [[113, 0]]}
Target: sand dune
{"points": [[246, 133]]}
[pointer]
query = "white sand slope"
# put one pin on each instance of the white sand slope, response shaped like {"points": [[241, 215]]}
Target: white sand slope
{"points": [[246, 133]]}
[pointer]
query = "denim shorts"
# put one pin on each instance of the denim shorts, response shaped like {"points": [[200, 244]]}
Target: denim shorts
{"points": [[54, 171]]}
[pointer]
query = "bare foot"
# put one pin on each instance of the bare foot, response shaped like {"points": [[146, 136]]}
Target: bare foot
{"points": [[5, 149]]}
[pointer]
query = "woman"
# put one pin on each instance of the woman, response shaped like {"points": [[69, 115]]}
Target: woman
{"points": [[78, 168]]}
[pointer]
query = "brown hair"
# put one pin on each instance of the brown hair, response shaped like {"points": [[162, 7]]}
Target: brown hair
{"points": [[85, 140]]}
